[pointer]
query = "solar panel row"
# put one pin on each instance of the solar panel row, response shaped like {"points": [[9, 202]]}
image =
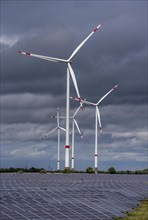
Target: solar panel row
{"points": [[74, 196]]}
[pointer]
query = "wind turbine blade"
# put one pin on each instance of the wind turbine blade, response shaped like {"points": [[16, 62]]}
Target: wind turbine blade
{"points": [[106, 94], [52, 59], [63, 117], [84, 41], [74, 80], [58, 121], [54, 116], [99, 119], [78, 128], [77, 111], [47, 134], [83, 101], [88, 103], [75, 84], [63, 129]]}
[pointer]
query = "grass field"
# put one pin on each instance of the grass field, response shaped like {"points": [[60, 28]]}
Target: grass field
{"points": [[139, 213]]}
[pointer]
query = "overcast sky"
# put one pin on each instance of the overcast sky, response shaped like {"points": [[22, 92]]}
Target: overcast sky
{"points": [[32, 89]]}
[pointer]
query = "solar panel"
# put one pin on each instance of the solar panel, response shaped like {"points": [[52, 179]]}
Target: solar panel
{"points": [[70, 196]]}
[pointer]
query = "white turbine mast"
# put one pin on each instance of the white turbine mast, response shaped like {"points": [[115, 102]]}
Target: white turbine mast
{"points": [[59, 128], [97, 119], [69, 72]]}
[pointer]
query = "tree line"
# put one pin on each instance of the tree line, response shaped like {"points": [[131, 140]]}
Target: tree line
{"points": [[90, 170]]}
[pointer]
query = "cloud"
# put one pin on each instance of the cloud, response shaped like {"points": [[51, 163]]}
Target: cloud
{"points": [[141, 134], [133, 156], [8, 41], [33, 153]]}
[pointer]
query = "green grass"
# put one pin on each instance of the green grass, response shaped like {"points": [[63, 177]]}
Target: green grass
{"points": [[139, 213]]}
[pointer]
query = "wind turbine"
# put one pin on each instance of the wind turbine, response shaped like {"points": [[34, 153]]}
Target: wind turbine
{"points": [[69, 72], [57, 128], [74, 123], [97, 119]]}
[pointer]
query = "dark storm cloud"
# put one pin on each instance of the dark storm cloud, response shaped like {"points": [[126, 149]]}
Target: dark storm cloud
{"points": [[26, 107], [32, 88], [115, 54]]}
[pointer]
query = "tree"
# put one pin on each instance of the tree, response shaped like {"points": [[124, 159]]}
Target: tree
{"points": [[90, 170], [112, 170]]}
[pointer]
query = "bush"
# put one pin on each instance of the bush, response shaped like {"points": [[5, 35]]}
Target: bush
{"points": [[112, 170], [90, 170], [42, 171], [20, 171]]}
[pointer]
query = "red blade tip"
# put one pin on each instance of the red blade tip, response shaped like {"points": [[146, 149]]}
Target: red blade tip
{"points": [[79, 99]]}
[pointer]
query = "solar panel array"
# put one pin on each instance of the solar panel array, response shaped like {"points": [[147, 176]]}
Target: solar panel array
{"points": [[70, 196]]}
